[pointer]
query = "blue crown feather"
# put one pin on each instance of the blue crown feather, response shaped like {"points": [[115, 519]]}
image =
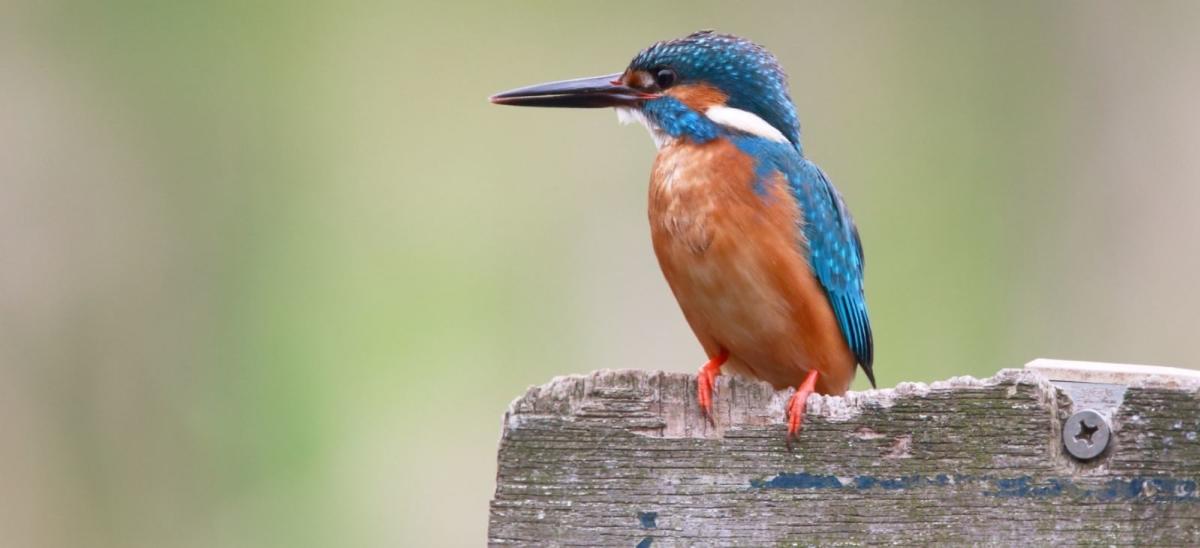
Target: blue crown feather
{"points": [[748, 74]]}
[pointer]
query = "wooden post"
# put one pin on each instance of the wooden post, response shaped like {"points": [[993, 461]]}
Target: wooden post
{"points": [[624, 458]]}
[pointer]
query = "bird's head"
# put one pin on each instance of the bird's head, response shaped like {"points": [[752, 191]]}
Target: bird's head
{"points": [[694, 87]]}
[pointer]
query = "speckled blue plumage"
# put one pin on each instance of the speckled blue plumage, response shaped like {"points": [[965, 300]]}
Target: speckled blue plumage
{"points": [[836, 256], [678, 120], [753, 81], [743, 70], [828, 234]]}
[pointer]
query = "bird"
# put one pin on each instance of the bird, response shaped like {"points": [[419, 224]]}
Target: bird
{"points": [[753, 239]]}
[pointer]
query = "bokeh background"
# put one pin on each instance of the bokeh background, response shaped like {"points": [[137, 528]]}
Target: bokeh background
{"points": [[270, 273]]}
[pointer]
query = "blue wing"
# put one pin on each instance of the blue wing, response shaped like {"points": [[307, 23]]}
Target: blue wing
{"points": [[836, 255], [834, 248]]}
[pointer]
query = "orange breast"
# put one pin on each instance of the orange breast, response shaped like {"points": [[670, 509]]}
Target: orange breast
{"points": [[736, 264]]}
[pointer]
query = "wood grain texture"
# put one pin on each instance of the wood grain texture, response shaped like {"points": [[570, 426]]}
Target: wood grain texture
{"points": [[623, 458]]}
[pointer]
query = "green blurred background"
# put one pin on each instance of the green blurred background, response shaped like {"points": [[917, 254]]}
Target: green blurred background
{"points": [[270, 273]]}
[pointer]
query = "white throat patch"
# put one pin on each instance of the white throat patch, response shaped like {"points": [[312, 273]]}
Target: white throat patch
{"points": [[629, 115], [745, 121]]}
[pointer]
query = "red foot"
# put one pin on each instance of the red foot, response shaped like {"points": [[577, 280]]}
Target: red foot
{"points": [[704, 383], [795, 408]]}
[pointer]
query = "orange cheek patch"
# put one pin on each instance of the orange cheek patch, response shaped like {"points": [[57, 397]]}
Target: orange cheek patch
{"points": [[637, 79], [698, 97]]}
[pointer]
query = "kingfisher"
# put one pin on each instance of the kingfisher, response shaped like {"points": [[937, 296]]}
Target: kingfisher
{"points": [[754, 241]]}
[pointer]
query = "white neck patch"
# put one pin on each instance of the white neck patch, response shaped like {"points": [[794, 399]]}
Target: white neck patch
{"points": [[745, 121], [733, 118], [629, 115]]}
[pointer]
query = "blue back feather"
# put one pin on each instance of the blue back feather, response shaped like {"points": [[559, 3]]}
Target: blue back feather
{"points": [[835, 253], [828, 234]]}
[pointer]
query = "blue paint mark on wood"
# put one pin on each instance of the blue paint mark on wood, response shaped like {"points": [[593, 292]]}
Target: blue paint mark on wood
{"points": [[1157, 489], [648, 519], [801, 480], [645, 543], [1025, 487], [891, 484]]}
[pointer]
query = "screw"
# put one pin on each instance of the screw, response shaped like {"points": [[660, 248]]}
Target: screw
{"points": [[1085, 434]]}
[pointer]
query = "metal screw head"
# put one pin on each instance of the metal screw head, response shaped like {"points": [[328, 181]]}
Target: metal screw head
{"points": [[1085, 434]]}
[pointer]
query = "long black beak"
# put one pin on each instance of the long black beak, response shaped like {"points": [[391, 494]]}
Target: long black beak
{"points": [[595, 92]]}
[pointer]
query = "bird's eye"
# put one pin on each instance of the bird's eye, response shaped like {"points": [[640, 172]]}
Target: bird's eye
{"points": [[664, 78]]}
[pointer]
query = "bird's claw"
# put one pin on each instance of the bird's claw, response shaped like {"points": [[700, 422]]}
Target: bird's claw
{"points": [[795, 416], [704, 392], [706, 381], [796, 406]]}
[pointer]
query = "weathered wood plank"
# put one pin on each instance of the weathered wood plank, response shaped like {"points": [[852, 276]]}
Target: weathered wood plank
{"points": [[623, 458]]}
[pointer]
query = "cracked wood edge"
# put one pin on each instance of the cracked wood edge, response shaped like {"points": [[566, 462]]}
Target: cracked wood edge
{"points": [[624, 458]]}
